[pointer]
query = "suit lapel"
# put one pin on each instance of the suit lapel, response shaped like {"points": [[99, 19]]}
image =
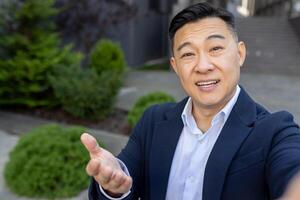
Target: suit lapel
{"points": [[165, 139], [234, 132]]}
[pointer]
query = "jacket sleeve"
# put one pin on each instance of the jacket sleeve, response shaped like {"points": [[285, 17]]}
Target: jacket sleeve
{"points": [[284, 157], [132, 156]]}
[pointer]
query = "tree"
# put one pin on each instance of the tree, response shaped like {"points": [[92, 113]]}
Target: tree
{"points": [[29, 49]]}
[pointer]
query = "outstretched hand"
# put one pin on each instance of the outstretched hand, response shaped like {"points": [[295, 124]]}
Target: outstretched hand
{"points": [[105, 168]]}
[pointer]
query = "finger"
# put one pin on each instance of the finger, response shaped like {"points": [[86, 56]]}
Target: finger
{"points": [[104, 176], [90, 144], [117, 180], [93, 167], [125, 186]]}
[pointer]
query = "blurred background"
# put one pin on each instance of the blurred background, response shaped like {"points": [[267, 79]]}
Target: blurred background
{"points": [[264, 24], [98, 64], [141, 27]]}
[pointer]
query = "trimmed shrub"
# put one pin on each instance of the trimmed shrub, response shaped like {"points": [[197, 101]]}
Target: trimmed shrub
{"points": [[85, 94], [144, 102], [107, 56], [48, 162], [29, 49]]}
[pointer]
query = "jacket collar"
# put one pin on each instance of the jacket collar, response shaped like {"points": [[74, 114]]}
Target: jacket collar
{"points": [[176, 111], [245, 108]]}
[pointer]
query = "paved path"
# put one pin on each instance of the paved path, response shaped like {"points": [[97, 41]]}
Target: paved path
{"points": [[7, 142]]}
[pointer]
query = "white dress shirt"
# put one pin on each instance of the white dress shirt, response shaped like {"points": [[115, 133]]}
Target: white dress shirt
{"points": [[191, 154]]}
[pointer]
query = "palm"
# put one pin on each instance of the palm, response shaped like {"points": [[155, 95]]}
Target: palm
{"points": [[105, 168]]}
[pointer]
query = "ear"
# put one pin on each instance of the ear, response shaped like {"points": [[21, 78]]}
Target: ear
{"points": [[242, 52], [173, 64]]}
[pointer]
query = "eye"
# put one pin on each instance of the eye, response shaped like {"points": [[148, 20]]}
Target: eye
{"points": [[186, 55], [217, 48]]}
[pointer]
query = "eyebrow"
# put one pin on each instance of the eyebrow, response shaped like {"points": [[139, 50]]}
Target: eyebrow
{"points": [[208, 38], [215, 36], [183, 45]]}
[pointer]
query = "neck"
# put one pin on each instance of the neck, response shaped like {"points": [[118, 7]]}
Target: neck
{"points": [[204, 114], [202, 117]]}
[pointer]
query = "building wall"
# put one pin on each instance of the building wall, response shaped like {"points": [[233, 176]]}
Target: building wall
{"points": [[278, 8], [145, 37], [295, 21]]}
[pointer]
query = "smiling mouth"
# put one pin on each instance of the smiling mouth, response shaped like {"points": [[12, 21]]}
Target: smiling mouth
{"points": [[208, 83]]}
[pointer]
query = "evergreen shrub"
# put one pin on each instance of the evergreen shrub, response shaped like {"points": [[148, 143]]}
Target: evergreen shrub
{"points": [[29, 49], [48, 162], [107, 56], [85, 94], [144, 102]]}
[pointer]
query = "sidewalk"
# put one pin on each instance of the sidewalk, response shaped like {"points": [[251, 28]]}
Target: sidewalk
{"points": [[275, 92]]}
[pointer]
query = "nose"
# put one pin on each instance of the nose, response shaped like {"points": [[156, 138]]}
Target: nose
{"points": [[204, 64]]}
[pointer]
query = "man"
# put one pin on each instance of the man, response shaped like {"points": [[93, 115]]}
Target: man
{"points": [[215, 144]]}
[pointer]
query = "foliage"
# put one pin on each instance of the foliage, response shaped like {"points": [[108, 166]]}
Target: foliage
{"points": [[29, 49], [49, 162], [84, 22], [144, 102], [91, 92], [159, 66], [107, 56], [84, 93]]}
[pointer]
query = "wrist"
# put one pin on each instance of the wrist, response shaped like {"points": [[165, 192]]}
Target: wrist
{"points": [[114, 195]]}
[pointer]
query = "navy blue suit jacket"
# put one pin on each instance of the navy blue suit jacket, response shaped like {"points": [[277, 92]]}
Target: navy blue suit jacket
{"points": [[254, 158]]}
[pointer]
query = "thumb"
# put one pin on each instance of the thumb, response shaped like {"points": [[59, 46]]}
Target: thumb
{"points": [[90, 144]]}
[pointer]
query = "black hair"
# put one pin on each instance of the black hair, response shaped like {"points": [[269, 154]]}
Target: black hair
{"points": [[199, 11]]}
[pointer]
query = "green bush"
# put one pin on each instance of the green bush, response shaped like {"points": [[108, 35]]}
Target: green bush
{"points": [[165, 66], [107, 56], [144, 102], [48, 162], [84, 93], [29, 49]]}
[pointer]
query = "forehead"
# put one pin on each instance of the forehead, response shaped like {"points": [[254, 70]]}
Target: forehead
{"points": [[201, 29]]}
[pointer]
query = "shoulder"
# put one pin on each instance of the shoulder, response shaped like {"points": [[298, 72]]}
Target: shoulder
{"points": [[277, 120], [278, 126]]}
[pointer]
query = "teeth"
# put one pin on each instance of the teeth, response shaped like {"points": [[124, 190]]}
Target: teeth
{"points": [[206, 83]]}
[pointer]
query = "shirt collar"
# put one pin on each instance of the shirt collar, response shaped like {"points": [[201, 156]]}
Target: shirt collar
{"points": [[188, 118]]}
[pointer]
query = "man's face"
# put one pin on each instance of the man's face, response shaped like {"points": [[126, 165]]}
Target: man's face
{"points": [[207, 60]]}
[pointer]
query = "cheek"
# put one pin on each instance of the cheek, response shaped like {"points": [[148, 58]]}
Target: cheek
{"points": [[186, 71], [230, 64], [187, 64], [186, 79]]}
